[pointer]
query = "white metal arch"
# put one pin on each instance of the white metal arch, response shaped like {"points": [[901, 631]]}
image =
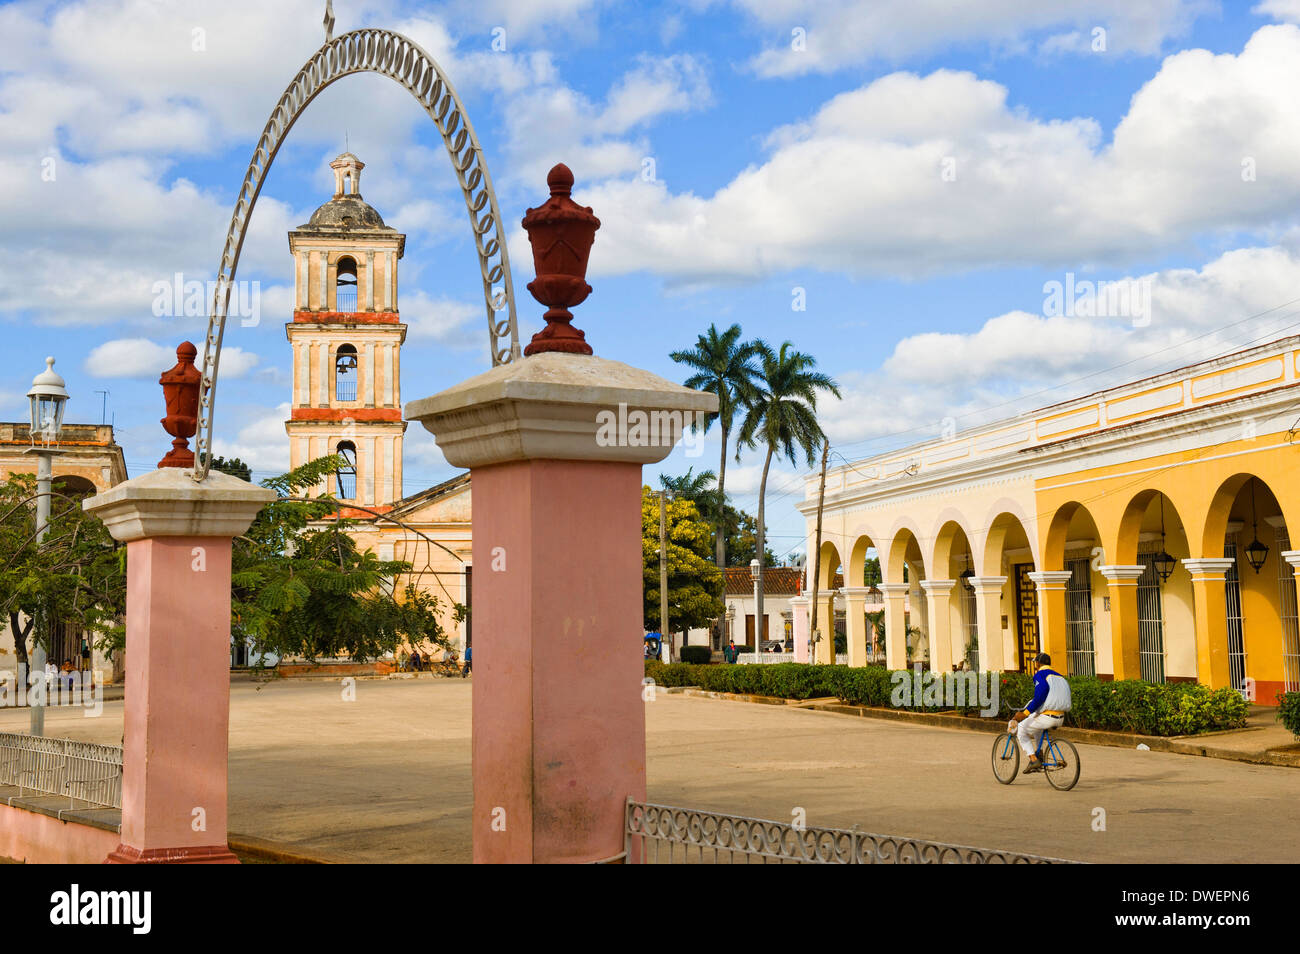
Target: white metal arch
{"points": [[396, 56]]}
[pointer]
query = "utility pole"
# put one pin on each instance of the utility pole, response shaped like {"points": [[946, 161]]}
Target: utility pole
{"points": [[663, 574], [817, 556]]}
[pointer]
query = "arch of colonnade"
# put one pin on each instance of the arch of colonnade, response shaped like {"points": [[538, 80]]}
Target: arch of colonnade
{"points": [[1213, 628]]}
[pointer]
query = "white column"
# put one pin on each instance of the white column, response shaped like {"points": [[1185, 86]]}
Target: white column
{"points": [[369, 350], [296, 398], [988, 621], [939, 622], [388, 281], [896, 624], [392, 280], [300, 283], [304, 452], [323, 260], [370, 281], [389, 455], [388, 376], [324, 390]]}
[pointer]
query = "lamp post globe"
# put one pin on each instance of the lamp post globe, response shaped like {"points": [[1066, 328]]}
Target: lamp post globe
{"points": [[47, 398]]}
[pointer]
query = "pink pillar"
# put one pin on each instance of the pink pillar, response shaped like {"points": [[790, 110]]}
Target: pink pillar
{"points": [[555, 446], [556, 637], [178, 535], [802, 648]]}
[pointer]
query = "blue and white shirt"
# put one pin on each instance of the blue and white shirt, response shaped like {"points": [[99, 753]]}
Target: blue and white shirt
{"points": [[1051, 692]]}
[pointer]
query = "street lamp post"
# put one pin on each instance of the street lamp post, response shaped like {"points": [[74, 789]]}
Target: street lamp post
{"points": [[47, 398], [754, 574]]}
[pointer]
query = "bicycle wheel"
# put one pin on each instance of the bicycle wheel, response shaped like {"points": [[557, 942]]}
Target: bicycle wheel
{"points": [[1061, 765], [1006, 758]]}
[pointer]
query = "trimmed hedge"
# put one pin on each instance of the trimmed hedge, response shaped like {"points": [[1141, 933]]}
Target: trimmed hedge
{"points": [[1129, 705], [695, 654], [1288, 712]]}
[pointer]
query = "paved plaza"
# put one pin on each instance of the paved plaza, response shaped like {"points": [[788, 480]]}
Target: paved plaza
{"points": [[387, 778]]}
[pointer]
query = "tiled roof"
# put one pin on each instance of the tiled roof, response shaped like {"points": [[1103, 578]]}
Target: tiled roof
{"points": [[777, 580]]}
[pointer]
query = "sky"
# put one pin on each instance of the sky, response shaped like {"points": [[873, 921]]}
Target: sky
{"points": [[892, 186]]}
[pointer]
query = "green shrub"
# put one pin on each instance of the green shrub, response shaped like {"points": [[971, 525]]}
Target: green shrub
{"points": [[696, 654], [1288, 712], [1126, 706]]}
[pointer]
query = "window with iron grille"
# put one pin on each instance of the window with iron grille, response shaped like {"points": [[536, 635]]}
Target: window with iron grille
{"points": [[1290, 624], [347, 473], [1151, 620], [345, 286], [1081, 657], [1236, 623], [345, 373]]}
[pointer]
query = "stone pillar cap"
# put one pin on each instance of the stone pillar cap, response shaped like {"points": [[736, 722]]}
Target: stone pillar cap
{"points": [[169, 503], [1119, 573], [561, 407], [937, 586]]}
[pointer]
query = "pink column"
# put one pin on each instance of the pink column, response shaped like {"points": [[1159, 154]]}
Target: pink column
{"points": [[555, 441], [802, 648], [559, 721], [178, 535]]}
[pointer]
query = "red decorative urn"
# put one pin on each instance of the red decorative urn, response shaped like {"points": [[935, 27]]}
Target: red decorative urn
{"points": [[561, 233], [181, 391]]}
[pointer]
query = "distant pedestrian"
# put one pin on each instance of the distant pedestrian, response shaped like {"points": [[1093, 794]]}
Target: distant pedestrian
{"points": [[730, 654], [404, 660], [469, 662], [417, 664]]}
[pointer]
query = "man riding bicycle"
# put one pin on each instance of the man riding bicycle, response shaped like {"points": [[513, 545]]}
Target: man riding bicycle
{"points": [[1045, 711]]}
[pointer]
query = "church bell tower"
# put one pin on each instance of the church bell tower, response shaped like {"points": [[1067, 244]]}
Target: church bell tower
{"points": [[346, 337]]}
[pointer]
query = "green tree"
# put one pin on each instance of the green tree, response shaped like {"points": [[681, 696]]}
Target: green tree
{"points": [[301, 587], [742, 539], [694, 583], [76, 575], [234, 467], [723, 365], [782, 416]]}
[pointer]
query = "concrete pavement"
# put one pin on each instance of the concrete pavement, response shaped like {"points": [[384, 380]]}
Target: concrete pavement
{"points": [[387, 778]]}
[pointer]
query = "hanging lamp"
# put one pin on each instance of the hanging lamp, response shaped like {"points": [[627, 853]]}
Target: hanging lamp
{"points": [[1256, 552], [1164, 562]]}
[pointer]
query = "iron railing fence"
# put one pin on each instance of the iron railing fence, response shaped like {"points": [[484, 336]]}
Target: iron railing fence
{"points": [[768, 659], [663, 834], [81, 771]]}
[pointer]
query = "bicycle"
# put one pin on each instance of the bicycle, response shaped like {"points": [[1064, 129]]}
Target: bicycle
{"points": [[1060, 760]]}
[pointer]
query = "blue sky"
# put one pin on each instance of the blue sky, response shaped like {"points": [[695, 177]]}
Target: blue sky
{"points": [[918, 169]]}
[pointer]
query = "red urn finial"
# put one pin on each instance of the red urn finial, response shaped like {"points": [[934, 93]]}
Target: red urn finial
{"points": [[561, 233], [181, 391]]}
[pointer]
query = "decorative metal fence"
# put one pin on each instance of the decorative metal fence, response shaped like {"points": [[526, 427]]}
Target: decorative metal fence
{"points": [[82, 771], [662, 834], [768, 659]]}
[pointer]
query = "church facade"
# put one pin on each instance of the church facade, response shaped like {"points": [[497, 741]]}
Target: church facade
{"points": [[346, 336]]}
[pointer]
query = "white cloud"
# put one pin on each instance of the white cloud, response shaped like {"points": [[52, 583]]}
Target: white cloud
{"points": [[142, 358], [261, 443], [1285, 10], [1018, 360], [552, 123], [840, 33], [444, 320], [915, 175]]}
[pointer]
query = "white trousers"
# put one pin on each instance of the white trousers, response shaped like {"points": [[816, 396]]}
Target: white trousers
{"points": [[1031, 730]]}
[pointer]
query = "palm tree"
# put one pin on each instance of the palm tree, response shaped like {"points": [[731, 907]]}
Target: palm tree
{"points": [[724, 365], [690, 485], [782, 414]]}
